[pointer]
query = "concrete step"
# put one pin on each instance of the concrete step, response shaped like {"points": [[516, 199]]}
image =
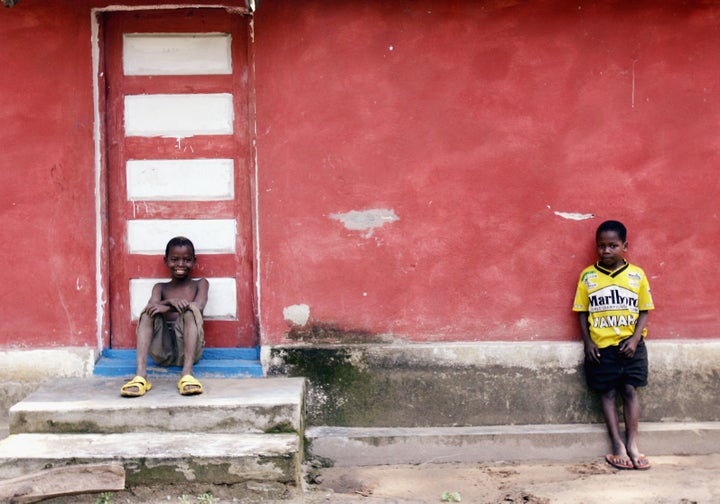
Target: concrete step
{"points": [[162, 457], [357, 446], [237, 430], [215, 363], [94, 405]]}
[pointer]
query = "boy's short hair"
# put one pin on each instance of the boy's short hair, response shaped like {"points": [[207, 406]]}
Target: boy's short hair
{"points": [[179, 241], [612, 225]]}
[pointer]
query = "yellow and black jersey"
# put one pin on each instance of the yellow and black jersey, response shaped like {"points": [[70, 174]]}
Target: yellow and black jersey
{"points": [[614, 300]]}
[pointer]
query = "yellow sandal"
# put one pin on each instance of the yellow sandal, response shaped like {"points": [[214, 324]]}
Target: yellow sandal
{"points": [[139, 383], [189, 385]]}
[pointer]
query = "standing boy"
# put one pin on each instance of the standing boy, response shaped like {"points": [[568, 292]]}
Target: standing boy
{"points": [[612, 301], [170, 328]]}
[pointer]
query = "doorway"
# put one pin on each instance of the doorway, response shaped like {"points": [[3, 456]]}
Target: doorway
{"points": [[178, 162]]}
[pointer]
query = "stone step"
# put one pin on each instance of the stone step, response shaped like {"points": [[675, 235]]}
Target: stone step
{"points": [[215, 363], [360, 446], [162, 457], [94, 405]]}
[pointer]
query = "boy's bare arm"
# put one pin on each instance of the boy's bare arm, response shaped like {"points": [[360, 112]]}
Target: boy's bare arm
{"points": [[201, 298], [156, 304], [591, 350], [629, 346]]}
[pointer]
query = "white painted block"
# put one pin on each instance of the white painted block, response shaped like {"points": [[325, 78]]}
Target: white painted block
{"points": [[178, 115], [209, 236], [180, 180], [177, 54], [222, 297]]}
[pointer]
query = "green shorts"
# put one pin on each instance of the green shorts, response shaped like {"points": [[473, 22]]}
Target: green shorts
{"points": [[167, 347]]}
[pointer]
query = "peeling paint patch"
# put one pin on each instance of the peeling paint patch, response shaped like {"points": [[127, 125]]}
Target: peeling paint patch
{"points": [[298, 314], [575, 216], [366, 220]]}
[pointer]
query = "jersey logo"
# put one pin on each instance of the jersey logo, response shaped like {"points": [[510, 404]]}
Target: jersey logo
{"points": [[613, 298], [588, 275], [614, 321]]}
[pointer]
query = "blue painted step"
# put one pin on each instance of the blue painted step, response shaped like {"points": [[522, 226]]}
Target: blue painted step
{"points": [[215, 363]]}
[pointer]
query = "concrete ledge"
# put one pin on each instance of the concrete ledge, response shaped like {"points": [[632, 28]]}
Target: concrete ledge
{"points": [[36, 365], [343, 446], [22, 371], [487, 383], [161, 457]]}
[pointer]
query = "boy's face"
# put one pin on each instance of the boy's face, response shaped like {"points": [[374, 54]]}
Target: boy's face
{"points": [[610, 249], [181, 261]]}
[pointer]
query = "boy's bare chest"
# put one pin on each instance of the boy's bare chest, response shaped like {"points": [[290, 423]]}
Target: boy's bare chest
{"points": [[186, 291]]}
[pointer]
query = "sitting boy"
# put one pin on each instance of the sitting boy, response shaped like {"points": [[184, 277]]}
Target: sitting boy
{"points": [[170, 328]]}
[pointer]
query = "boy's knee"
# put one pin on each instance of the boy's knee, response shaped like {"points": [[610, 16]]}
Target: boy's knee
{"points": [[608, 395], [629, 391], [145, 320]]}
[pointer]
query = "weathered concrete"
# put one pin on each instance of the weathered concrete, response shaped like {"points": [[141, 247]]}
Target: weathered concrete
{"points": [[343, 446], [159, 457], [22, 371], [237, 431], [227, 405], [475, 384]]}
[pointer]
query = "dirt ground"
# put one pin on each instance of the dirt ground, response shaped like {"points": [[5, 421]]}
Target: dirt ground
{"points": [[671, 480]]}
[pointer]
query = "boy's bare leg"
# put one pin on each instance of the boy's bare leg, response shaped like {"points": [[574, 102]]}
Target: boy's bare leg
{"points": [[144, 337], [631, 412], [190, 334], [612, 422]]}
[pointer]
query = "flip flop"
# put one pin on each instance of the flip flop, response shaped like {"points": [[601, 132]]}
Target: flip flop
{"points": [[139, 383], [189, 385], [619, 461], [641, 463]]}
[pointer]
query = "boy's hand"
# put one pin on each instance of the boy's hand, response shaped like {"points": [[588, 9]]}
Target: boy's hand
{"points": [[153, 309], [628, 347], [592, 353], [178, 304]]}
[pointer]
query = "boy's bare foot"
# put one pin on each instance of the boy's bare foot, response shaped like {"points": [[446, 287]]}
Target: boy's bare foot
{"points": [[189, 385], [135, 387], [620, 461], [640, 462]]}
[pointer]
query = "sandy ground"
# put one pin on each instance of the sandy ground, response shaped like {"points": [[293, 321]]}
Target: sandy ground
{"points": [[671, 480]]}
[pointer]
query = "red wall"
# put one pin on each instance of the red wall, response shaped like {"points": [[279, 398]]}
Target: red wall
{"points": [[473, 121], [47, 201]]}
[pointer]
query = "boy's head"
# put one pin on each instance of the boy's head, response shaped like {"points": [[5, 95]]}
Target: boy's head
{"points": [[179, 241], [180, 258], [611, 241], [612, 225]]}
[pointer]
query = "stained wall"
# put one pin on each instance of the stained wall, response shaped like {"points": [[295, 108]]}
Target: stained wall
{"points": [[435, 171]]}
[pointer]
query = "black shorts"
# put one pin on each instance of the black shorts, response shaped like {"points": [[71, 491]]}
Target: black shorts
{"points": [[615, 369]]}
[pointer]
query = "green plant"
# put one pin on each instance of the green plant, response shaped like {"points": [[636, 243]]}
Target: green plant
{"points": [[451, 497], [104, 498], [184, 499], [206, 498]]}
